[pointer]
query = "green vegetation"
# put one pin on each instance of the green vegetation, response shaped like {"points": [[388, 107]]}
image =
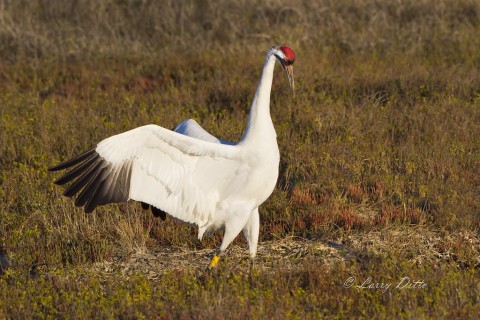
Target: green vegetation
{"points": [[379, 177]]}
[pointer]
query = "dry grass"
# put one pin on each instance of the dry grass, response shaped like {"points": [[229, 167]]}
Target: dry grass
{"points": [[380, 160], [53, 29]]}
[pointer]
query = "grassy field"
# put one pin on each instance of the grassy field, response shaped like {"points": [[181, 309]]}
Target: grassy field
{"points": [[376, 213]]}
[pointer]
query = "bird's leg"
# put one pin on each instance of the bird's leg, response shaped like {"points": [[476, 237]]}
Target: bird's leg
{"points": [[252, 263], [232, 229], [251, 232]]}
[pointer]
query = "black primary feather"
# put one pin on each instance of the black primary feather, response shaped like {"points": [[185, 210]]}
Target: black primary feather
{"points": [[73, 161], [98, 181]]}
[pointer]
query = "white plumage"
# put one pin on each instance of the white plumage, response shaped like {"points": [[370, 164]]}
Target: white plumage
{"points": [[191, 128], [188, 173]]}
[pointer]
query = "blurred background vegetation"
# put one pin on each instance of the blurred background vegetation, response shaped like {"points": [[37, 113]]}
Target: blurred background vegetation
{"points": [[62, 30], [381, 139]]}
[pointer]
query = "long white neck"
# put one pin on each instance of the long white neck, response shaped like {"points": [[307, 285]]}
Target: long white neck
{"points": [[260, 124]]}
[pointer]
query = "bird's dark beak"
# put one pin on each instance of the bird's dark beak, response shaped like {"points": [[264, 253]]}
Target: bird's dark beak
{"points": [[288, 67], [289, 71]]}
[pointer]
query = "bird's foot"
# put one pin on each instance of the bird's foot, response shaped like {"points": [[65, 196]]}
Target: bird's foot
{"points": [[252, 264], [214, 262]]}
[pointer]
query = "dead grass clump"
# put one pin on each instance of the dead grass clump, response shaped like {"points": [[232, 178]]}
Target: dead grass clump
{"points": [[133, 231]]}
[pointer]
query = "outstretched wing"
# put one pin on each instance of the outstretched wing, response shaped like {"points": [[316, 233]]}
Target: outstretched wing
{"points": [[178, 174], [192, 129]]}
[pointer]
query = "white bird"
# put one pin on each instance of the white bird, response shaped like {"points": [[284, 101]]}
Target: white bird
{"points": [[188, 173]]}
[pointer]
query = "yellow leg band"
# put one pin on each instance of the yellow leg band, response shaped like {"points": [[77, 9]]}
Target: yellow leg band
{"points": [[214, 261]]}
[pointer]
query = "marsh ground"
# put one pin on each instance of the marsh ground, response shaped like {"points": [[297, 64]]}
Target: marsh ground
{"points": [[379, 177]]}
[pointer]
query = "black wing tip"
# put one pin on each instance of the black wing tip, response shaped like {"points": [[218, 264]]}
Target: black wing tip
{"points": [[81, 168], [73, 161], [158, 213], [55, 168], [144, 205], [155, 211], [89, 177]]}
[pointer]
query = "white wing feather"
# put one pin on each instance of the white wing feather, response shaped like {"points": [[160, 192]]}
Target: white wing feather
{"points": [[192, 129], [178, 174]]}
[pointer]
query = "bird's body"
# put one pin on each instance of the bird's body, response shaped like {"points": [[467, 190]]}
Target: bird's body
{"points": [[188, 173]]}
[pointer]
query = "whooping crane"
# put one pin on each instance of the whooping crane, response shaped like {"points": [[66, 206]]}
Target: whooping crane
{"points": [[188, 173]]}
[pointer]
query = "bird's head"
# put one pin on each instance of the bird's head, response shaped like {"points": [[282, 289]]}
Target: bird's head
{"points": [[286, 57]]}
